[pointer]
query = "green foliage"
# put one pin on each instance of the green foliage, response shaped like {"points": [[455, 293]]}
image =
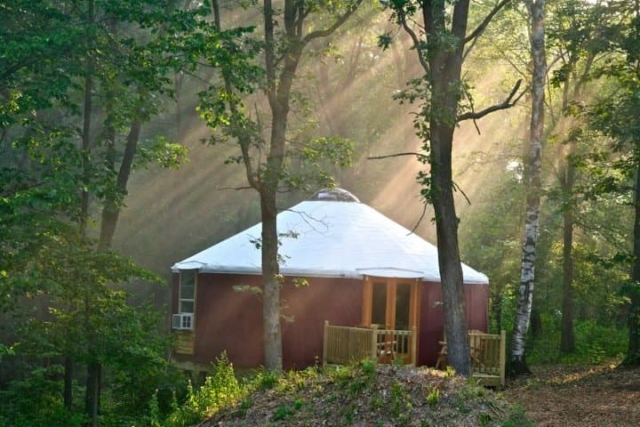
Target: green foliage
{"points": [[595, 343], [124, 340], [450, 372], [154, 418], [63, 158], [267, 379], [161, 152], [4, 350], [282, 412], [311, 163], [221, 389], [388, 396], [252, 290], [362, 376], [36, 401], [517, 418], [400, 404], [368, 367], [245, 405], [339, 373], [433, 397], [356, 377]]}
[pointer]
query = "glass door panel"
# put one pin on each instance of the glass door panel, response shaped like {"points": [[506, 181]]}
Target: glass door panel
{"points": [[402, 319], [389, 305], [403, 306], [379, 305]]}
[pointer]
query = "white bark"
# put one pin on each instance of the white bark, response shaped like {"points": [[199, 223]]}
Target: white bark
{"points": [[534, 166]]}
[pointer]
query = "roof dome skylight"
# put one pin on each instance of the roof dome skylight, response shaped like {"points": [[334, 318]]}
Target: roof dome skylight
{"points": [[334, 194]]}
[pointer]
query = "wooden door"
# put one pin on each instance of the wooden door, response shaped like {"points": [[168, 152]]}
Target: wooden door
{"points": [[392, 304]]}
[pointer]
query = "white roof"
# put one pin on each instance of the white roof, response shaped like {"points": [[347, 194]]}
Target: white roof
{"points": [[329, 238]]}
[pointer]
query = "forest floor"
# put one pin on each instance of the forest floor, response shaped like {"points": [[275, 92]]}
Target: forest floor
{"points": [[579, 396]]}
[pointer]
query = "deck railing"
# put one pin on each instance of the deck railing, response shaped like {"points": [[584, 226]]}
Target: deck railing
{"points": [[344, 344], [488, 358]]}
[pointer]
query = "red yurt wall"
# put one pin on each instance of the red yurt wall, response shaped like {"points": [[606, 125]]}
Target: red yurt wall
{"points": [[231, 321], [432, 317]]}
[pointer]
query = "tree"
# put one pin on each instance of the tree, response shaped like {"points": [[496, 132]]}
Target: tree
{"points": [[574, 39], [286, 38], [615, 116], [76, 88], [441, 50], [534, 186]]}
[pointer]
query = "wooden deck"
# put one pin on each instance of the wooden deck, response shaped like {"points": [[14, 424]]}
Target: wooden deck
{"points": [[343, 344]]}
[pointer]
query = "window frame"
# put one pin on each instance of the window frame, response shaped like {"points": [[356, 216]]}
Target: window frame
{"points": [[191, 300]]}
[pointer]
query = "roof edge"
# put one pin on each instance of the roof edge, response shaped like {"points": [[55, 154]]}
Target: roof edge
{"points": [[330, 274]]}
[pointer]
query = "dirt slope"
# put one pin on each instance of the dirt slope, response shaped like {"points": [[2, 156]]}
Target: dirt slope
{"points": [[372, 396], [579, 396]]}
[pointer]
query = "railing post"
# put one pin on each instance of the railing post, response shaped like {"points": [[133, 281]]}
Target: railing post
{"points": [[414, 346], [374, 342], [324, 343]]}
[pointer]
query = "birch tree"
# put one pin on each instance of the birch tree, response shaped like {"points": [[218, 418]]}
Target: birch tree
{"points": [[533, 172]]}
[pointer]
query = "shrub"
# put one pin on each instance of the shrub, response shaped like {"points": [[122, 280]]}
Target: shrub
{"points": [[219, 390], [36, 401]]}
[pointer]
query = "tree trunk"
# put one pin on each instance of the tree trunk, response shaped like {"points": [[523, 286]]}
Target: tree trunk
{"points": [[91, 390], [567, 336], [113, 202], [534, 166], [67, 394], [86, 127], [92, 400], [271, 282], [455, 319], [633, 353], [567, 173], [111, 210], [446, 66]]}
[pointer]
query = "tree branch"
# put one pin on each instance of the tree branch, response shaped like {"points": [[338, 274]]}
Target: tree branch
{"points": [[424, 212], [341, 20], [389, 156], [414, 39], [508, 103], [483, 25]]}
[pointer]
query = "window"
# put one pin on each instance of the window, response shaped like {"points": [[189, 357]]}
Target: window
{"points": [[187, 296], [186, 301]]}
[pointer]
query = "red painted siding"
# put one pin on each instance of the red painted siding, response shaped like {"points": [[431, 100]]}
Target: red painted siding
{"points": [[231, 321], [337, 300], [432, 317]]}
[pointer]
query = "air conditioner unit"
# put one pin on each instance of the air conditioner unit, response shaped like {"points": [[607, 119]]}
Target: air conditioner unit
{"points": [[182, 321]]}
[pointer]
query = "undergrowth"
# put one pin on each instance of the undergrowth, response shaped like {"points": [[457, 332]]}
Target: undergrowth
{"points": [[595, 344], [363, 393], [221, 389]]}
